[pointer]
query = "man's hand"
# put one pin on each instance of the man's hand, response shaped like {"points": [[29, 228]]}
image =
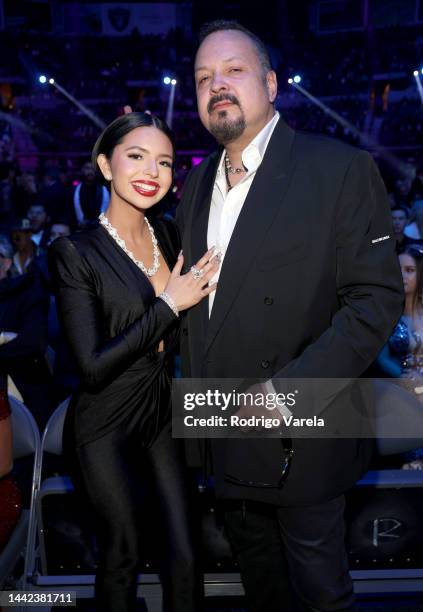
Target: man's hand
{"points": [[252, 407]]}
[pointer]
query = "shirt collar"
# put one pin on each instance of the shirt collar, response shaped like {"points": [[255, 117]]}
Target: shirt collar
{"points": [[253, 153]]}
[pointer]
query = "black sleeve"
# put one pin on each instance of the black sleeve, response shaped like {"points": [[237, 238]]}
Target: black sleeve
{"points": [[80, 312], [368, 280]]}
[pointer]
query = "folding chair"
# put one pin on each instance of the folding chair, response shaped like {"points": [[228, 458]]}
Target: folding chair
{"points": [[149, 586], [26, 441]]}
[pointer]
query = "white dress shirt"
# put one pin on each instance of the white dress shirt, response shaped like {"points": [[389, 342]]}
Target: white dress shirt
{"points": [[226, 206]]}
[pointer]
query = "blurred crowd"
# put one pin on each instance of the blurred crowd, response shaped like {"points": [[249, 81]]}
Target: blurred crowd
{"points": [[49, 188]]}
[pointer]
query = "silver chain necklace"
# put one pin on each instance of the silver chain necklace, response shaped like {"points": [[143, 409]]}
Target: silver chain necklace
{"points": [[156, 253], [230, 168]]}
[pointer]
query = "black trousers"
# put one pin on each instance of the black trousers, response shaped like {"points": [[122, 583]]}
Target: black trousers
{"points": [[110, 469], [291, 558]]}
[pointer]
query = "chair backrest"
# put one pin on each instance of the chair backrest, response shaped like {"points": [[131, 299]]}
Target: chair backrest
{"points": [[52, 441], [25, 432], [398, 418]]}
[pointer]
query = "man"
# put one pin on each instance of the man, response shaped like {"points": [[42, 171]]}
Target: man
{"points": [[23, 320], [25, 249], [309, 286], [54, 194], [90, 198], [39, 220], [400, 218], [59, 228]]}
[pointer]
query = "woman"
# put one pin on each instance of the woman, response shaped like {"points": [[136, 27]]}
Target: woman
{"points": [[10, 497], [415, 228], [120, 302], [402, 356]]}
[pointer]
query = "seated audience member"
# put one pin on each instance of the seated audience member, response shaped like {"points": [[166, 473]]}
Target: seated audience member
{"points": [[55, 196], [415, 228], [400, 217], [402, 356], [10, 497], [25, 249], [59, 227], [90, 197], [25, 193], [416, 189], [23, 321], [39, 221]]}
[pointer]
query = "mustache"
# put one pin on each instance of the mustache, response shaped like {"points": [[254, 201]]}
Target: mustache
{"points": [[221, 98]]}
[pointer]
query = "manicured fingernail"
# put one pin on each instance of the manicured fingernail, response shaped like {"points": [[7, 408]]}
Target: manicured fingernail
{"points": [[180, 253]]}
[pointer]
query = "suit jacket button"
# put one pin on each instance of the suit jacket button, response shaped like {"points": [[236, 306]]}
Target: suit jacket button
{"points": [[265, 364], [268, 301]]}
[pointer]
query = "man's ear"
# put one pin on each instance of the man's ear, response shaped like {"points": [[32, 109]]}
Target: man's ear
{"points": [[272, 85], [104, 165]]}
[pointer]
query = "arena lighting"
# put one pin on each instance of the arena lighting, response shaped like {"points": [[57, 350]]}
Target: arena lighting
{"points": [[290, 81], [416, 74], [171, 101], [86, 111], [297, 79], [365, 139], [167, 80], [42, 79]]}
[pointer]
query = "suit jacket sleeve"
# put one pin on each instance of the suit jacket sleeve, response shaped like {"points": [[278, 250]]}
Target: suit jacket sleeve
{"points": [[99, 358], [368, 281]]}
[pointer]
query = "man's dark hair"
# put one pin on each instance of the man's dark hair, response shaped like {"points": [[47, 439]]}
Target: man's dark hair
{"points": [[220, 25], [402, 208]]}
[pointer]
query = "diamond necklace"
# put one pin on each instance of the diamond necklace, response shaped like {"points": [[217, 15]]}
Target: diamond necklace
{"points": [[156, 253]]}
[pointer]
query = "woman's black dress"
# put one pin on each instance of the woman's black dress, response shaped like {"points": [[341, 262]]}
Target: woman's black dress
{"points": [[119, 418]]}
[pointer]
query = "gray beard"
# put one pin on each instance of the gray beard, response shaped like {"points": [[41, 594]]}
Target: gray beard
{"points": [[226, 131]]}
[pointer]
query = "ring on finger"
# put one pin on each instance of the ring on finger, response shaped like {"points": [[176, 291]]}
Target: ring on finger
{"points": [[196, 272]]}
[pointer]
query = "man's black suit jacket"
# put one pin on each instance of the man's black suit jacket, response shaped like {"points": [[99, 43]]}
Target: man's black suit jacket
{"points": [[305, 290]]}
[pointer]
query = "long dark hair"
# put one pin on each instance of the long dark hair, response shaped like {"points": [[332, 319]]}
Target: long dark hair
{"points": [[115, 132], [416, 252]]}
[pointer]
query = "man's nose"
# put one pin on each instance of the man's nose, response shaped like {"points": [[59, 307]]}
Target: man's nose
{"points": [[218, 83]]}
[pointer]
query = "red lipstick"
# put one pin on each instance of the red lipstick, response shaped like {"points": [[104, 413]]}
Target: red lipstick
{"points": [[146, 188]]}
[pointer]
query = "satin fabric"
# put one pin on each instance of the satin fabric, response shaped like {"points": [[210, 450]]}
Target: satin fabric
{"points": [[118, 421], [114, 323]]}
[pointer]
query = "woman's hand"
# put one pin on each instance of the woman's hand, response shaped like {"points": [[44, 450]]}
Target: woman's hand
{"points": [[188, 289]]}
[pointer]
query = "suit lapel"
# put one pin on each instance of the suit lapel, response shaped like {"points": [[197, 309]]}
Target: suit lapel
{"points": [[260, 207], [202, 195], [202, 208]]}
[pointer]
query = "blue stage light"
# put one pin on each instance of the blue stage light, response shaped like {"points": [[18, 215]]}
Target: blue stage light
{"points": [[166, 80], [297, 78], [42, 79]]}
